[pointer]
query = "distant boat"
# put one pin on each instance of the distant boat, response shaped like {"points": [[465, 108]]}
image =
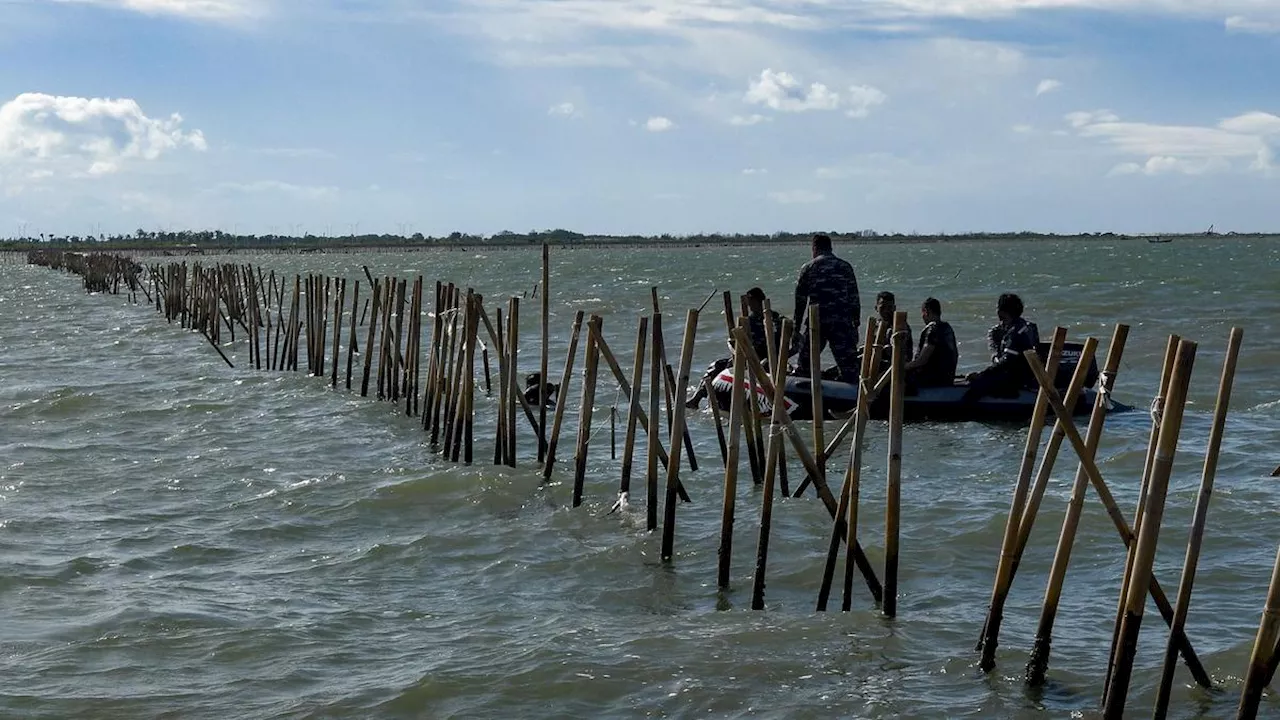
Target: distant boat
{"points": [[1159, 240]]}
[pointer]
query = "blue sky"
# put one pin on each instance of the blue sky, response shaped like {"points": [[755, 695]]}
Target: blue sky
{"points": [[643, 116]]}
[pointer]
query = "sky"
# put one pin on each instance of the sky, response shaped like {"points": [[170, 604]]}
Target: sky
{"points": [[638, 116]]}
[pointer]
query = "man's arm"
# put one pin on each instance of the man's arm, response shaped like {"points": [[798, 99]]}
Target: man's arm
{"points": [[922, 359]]}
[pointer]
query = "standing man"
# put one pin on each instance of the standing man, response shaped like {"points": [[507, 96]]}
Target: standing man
{"points": [[830, 282]]}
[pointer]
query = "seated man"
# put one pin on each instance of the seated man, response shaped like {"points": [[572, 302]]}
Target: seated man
{"points": [[935, 362], [886, 306], [1008, 372], [756, 329]]}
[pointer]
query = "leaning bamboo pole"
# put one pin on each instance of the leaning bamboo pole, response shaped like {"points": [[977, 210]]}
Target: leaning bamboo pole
{"points": [[1149, 534], [1196, 538], [1265, 644], [678, 430], [771, 468], [633, 412], [586, 409], [737, 400], [893, 487], [561, 395]]}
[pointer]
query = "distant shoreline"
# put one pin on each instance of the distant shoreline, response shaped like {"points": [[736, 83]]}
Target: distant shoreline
{"points": [[188, 243]]}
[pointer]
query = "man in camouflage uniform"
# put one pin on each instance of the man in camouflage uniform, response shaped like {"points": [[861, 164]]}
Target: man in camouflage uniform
{"points": [[1008, 372], [829, 282]]}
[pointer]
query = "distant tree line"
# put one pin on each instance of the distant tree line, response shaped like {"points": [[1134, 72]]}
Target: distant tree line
{"points": [[200, 240]]}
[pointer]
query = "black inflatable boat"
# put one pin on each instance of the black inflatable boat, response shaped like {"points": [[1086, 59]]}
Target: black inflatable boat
{"points": [[940, 404]]}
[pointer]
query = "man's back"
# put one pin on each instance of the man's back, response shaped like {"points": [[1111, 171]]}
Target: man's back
{"points": [[830, 282], [941, 368]]}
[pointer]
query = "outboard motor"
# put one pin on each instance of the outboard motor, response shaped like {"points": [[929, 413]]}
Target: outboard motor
{"points": [[1067, 365]]}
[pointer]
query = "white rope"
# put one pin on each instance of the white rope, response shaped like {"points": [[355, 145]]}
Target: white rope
{"points": [[1157, 410], [1105, 380]]}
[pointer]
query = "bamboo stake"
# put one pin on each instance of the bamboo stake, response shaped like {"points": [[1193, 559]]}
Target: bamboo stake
{"points": [[737, 401], [633, 412], [715, 416], [655, 394], [1196, 538], [351, 338], [678, 430], [815, 385], [565, 379], [1264, 649], [1149, 533], [441, 414], [773, 352], [1153, 439], [893, 501], [339, 300], [542, 368], [585, 410], [846, 519], [433, 359], [771, 466], [1008, 556], [504, 375], [1067, 425], [368, 341], [513, 383], [1039, 661]]}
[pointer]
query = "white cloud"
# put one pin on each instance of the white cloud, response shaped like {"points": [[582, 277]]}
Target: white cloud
{"points": [[1081, 118], [748, 120], [97, 136], [658, 124], [1186, 149], [796, 197], [783, 92], [755, 171], [861, 99], [1047, 85], [261, 187], [1242, 24], [193, 9], [564, 109]]}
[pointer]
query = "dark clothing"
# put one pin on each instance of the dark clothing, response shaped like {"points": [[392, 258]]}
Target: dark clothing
{"points": [[756, 329], [1008, 372], [830, 282], [940, 370], [844, 347]]}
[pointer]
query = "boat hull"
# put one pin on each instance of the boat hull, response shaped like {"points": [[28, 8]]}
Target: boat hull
{"points": [[937, 404]]}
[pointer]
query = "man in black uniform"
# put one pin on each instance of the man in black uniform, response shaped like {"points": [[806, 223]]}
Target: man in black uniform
{"points": [[830, 282], [935, 361], [1008, 372], [886, 307]]}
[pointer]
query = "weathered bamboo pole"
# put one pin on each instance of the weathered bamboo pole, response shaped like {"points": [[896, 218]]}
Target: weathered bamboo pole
{"points": [[990, 637], [677, 431], [586, 409], [1265, 646], [775, 355], [718, 420], [351, 338], [561, 396], [846, 520], [339, 300], [1149, 534], [633, 412], [1039, 661], [542, 367], [655, 395], [513, 384], [453, 409], [1153, 439], [368, 341], [893, 500], [771, 466], [815, 385], [1196, 537], [469, 398], [1067, 424], [448, 352], [433, 360], [395, 378], [504, 377], [737, 401]]}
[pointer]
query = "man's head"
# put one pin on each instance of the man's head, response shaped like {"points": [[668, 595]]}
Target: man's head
{"points": [[931, 310], [886, 305], [1009, 307], [821, 244], [755, 300]]}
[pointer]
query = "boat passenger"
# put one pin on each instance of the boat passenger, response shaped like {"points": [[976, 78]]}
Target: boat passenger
{"points": [[830, 282], [886, 306], [1008, 372], [756, 330], [935, 362]]}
